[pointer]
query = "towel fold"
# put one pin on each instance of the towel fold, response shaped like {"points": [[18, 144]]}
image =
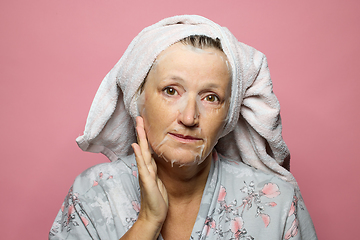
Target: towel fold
{"points": [[252, 133]]}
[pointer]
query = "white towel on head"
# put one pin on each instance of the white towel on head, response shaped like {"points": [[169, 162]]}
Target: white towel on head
{"points": [[252, 133]]}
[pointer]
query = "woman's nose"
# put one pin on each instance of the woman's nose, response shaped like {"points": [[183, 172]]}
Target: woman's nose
{"points": [[189, 116]]}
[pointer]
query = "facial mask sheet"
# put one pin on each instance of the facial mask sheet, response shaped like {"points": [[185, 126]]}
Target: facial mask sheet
{"points": [[173, 125]]}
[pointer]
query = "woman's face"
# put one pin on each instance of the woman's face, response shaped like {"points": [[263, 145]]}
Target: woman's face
{"points": [[184, 103]]}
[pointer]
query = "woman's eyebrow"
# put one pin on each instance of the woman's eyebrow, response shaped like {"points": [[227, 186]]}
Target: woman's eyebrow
{"points": [[173, 77], [212, 85], [176, 78]]}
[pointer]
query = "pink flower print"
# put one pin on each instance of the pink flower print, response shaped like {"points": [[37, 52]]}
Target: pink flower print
{"points": [[84, 220], [292, 209], [95, 183], [224, 207], [68, 209], [71, 210], [100, 175], [254, 197], [236, 224], [293, 230], [265, 218], [271, 204], [134, 172], [222, 194], [270, 190], [130, 220], [236, 227], [136, 206], [209, 224], [75, 197], [293, 206], [247, 201], [110, 177]]}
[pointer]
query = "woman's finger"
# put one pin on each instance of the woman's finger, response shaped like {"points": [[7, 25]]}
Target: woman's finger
{"points": [[142, 140], [142, 168]]}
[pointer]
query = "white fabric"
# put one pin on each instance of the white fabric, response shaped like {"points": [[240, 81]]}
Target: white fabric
{"points": [[252, 133]]}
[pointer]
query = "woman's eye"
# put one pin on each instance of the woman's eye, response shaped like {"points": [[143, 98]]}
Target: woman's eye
{"points": [[212, 98], [170, 91]]}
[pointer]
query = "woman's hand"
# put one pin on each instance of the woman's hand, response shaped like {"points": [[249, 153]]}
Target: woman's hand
{"points": [[154, 198]]}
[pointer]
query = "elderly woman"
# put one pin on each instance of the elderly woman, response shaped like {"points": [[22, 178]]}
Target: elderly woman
{"points": [[209, 162]]}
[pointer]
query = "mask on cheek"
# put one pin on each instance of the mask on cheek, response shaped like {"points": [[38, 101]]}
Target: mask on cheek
{"points": [[182, 121], [163, 128]]}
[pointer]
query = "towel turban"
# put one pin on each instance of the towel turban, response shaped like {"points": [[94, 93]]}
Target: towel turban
{"points": [[252, 133]]}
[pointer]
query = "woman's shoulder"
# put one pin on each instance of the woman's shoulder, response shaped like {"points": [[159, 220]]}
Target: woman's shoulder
{"points": [[262, 202], [250, 178], [122, 170]]}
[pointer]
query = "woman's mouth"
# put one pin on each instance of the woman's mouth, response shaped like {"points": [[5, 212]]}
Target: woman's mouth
{"points": [[184, 138]]}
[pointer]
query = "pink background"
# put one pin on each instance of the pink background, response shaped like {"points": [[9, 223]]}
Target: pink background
{"points": [[54, 55]]}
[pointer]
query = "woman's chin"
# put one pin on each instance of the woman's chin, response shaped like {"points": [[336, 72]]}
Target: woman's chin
{"points": [[181, 157]]}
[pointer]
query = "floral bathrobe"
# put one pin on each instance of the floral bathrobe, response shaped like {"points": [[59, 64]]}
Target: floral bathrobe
{"points": [[239, 202]]}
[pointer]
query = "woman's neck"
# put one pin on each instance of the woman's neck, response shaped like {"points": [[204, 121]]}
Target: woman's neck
{"points": [[186, 182]]}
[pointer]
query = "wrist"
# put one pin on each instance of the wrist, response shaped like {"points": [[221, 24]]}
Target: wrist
{"points": [[142, 230], [151, 222], [148, 229]]}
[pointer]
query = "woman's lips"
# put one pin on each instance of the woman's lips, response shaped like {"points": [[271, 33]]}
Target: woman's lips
{"points": [[184, 138]]}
